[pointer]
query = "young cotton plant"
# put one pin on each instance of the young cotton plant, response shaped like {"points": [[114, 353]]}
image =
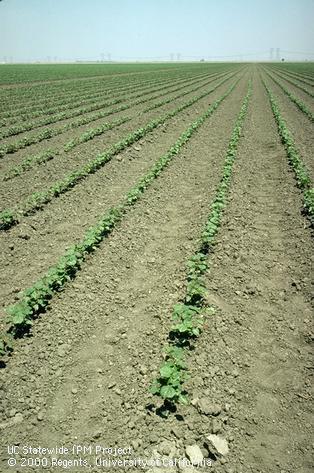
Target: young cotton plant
{"points": [[172, 375], [196, 289], [189, 321], [7, 219]]}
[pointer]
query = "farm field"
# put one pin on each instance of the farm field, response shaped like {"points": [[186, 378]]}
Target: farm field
{"points": [[156, 228]]}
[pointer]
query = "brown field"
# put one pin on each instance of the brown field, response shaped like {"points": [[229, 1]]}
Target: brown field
{"points": [[81, 373]]}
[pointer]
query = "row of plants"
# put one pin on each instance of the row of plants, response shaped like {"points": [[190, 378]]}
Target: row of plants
{"points": [[202, 83], [93, 132], [293, 82], [35, 160], [37, 200], [94, 105], [69, 102], [29, 162], [57, 104], [49, 98], [23, 92], [301, 173], [301, 105], [27, 141], [298, 76], [51, 132], [33, 102], [26, 90], [19, 105], [26, 95], [189, 315], [170, 99], [48, 154], [35, 299], [38, 159]]}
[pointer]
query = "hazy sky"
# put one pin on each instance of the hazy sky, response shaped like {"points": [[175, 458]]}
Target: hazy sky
{"points": [[77, 29]]}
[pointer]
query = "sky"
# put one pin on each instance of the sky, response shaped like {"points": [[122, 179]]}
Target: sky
{"points": [[66, 30]]}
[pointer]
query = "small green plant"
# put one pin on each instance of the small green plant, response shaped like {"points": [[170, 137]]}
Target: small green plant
{"points": [[172, 375], [196, 290], [20, 314], [197, 265], [7, 219], [189, 320]]}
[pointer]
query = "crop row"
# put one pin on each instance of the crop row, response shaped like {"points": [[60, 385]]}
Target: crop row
{"points": [[71, 101], [189, 314], [51, 132], [29, 162], [52, 96], [26, 141], [301, 173], [301, 105], [27, 95], [35, 299], [296, 84], [90, 107], [77, 99], [71, 91], [170, 99], [57, 104], [152, 86], [48, 154], [27, 90], [91, 134], [50, 91], [297, 76], [37, 200]]}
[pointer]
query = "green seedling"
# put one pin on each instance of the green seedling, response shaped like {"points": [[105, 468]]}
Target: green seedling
{"points": [[172, 375], [7, 219]]}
